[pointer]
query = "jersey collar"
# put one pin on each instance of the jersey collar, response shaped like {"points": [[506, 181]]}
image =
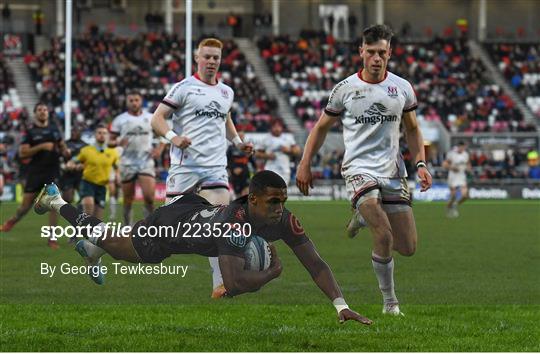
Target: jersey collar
{"points": [[372, 82], [196, 75]]}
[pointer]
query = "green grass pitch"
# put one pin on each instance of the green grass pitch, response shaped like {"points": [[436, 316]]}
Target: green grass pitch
{"points": [[473, 285]]}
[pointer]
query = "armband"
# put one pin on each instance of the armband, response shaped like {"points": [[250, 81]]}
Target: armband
{"points": [[421, 163], [340, 304], [236, 140], [170, 134]]}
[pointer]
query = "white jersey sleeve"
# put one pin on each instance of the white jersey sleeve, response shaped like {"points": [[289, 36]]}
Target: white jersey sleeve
{"points": [[335, 104], [175, 96], [410, 97]]}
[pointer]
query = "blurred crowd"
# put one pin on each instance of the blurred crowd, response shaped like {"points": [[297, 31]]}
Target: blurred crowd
{"points": [[105, 67], [450, 83], [520, 64]]}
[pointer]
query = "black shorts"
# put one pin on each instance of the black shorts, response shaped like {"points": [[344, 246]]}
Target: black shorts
{"points": [[156, 249], [35, 180], [89, 189], [149, 249]]}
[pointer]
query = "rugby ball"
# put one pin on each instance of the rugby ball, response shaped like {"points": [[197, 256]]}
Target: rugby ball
{"points": [[257, 254]]}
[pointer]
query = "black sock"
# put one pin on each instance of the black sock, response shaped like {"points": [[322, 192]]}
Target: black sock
{"points": [[78, 218]]}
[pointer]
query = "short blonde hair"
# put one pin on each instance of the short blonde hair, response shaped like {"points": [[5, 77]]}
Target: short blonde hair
{"points": [[210, 42]]}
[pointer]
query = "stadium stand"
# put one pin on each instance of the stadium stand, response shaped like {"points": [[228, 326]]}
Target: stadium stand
{"points": [[13, 120], [520, 64], [105, 67], [449, 82]]}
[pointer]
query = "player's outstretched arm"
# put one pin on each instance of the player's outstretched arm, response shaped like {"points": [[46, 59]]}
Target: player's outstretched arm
{"points": [[324, 278], [304, 179], [238, 280]]}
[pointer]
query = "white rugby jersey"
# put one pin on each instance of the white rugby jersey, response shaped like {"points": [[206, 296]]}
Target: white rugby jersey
{"points": [[282, 164], [200, 114], [138, 131], [371, 120], [459, 160]]}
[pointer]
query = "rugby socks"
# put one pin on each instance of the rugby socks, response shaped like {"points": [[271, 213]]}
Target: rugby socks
{"points": [[77, 218], [384, 270], [217, 279]]}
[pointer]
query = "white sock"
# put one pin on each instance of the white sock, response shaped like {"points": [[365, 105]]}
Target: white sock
{"points": [[217, 279], [57, 203], [384, 270], [93, 251]]}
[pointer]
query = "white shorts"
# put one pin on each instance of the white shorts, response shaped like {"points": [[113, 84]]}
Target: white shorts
{"points": [[393, 192], [129, 173], [457, 180], [182, 179]]}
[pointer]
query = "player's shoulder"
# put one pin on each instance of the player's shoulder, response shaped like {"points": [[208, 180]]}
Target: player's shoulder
{"points": [[290, 224], [398, 80], [112, 151], [85, 149], [119, 118], [224, 86], [147, 114], [348, 81]]}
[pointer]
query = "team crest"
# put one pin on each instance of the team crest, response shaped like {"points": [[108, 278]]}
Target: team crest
{"points": [[392, 91], [224, 93], [296, 227]]}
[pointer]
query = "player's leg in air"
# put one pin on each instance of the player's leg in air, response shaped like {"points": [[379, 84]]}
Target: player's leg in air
{"points": [[355, 224], [95, 244]]}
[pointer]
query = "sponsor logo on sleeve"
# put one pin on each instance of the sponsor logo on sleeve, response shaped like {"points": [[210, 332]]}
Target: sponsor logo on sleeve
{"points": [[296, 227]]}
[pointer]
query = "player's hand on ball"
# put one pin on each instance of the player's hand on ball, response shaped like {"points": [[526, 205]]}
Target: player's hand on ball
{"points": [[425, 179], [350, 315], [304, 179], [275, 262], [181, 142]]}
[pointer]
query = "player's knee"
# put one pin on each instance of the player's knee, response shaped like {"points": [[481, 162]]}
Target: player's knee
{"points": [[408, 250]]}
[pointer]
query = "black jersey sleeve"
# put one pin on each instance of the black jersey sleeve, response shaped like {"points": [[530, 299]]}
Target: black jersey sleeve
{"points": [[292, 231], [231, 240]]}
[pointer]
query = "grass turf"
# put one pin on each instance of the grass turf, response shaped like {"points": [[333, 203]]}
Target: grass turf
{"points": [[472, 286]]}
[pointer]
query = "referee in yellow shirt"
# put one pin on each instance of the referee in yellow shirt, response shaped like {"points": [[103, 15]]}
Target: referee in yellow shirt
{"points": [[96, 161]]}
